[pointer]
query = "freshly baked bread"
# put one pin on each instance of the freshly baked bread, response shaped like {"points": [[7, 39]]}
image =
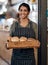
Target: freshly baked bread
{"points": [[23, 38], [35, 41], [15, 39], [30, 39]]}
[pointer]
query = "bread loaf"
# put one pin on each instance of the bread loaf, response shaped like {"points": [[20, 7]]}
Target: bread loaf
{"points": [[30, 39], [23, 39], [15, 39]]}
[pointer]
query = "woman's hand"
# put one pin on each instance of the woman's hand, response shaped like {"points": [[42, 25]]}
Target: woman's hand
{"points": [[9, 39]]}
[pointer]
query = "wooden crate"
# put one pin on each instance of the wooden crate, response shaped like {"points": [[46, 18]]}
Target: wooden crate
{"points": [[23, 44]]}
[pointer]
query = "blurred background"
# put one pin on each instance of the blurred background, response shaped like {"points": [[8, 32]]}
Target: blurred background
{"points": [[9, 12]]}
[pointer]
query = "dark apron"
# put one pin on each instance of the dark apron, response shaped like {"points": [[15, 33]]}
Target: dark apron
{"points": [[23, 56]]}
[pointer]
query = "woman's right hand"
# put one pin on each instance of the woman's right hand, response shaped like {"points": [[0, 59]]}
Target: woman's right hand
{"points": [[9, 38]]}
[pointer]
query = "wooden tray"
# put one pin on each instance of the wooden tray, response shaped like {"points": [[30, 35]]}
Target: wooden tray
{"points": [[23, 44]]}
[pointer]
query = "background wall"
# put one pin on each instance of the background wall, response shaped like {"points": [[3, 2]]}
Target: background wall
{"points": [[47, 35], [4, 53], [47, 17]]}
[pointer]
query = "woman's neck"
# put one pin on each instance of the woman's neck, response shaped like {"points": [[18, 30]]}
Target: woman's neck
{"points": [[24, 22]]}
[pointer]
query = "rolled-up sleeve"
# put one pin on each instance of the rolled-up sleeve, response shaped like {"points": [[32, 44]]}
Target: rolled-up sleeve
{"points": [[12, 29], [35, 27]]}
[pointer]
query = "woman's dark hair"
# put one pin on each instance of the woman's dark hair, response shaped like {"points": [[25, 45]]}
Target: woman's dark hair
{"points": [[25, 5]]}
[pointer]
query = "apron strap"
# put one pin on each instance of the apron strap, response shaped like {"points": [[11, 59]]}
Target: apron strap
{"points": [[31, 26]]}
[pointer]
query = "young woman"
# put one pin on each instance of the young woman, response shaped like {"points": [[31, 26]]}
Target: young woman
{"points": [[23, 27]]}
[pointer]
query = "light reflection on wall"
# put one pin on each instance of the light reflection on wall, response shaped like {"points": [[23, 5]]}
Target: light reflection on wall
{"points": [[3, 4]]}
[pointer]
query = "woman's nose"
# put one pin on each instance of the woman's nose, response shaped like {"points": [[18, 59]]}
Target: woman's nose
{"points": [[23, 12]]}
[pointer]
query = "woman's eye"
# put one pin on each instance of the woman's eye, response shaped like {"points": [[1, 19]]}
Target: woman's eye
{"points": [[23, 10]]}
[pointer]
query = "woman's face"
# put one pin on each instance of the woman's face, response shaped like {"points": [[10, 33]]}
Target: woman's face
{"points": [[23, 12]]}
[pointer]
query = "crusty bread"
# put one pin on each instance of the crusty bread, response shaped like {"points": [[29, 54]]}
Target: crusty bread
{"points": [[30, 39], [23, 38], [15, 39]]}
